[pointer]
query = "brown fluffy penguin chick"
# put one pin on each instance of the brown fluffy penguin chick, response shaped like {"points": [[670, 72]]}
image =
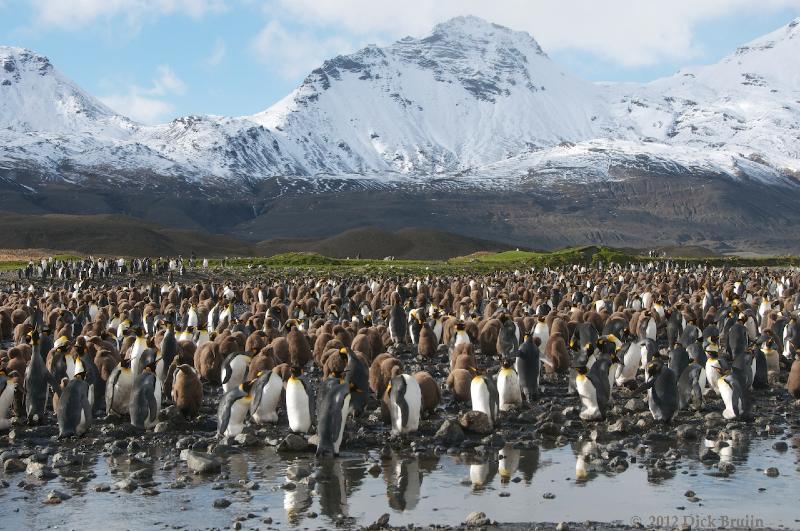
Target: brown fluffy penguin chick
{"points": [[363, 345], [208, 362], [464, 361], [263, 361], [487, 338], [319, 345], [430, 391], [187, 391], [793, 383], [375, 372], [16, 361], [186, 350], [335, 364], [557, 354], [299, 350], [280, 349], [459, 382], [105, 363], [427, 342], [284, 370], [462, 349]]}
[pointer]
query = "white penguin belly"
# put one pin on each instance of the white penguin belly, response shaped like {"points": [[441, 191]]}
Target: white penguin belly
{"points": [[297, 408], [480, 397], [588, 395], [237, 417], [508, 389], [345, 411], [238, 367], [726, 392], [712, 375], [270, 396]]}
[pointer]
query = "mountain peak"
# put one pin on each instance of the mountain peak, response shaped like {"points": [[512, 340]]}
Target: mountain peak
{"points": [[476, 28]]}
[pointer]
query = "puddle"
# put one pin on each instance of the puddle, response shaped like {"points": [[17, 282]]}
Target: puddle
{"points": [[357, 489]]}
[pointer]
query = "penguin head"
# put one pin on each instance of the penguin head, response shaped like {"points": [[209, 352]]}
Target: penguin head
{"points": [[33, 337], [460, 326], [582, 370], [295, 372], [125, 363], [247, 386]]}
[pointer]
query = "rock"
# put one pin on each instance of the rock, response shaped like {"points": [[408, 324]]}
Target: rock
{"points": [[62, 459], [635, 405], [293, 443], [143, 474], [476, 422], [185, 442], [60, 494], [381, 522], [709, 456], [620, 427], [689, 494], [726, 468], [450, 433], [102, 487], [13, 465], [202, 463], [161, 427], [128, 485], [687, 432], [548, 496], [221, 503], [780, 446], [562, 526], [476, 519], [297, 472], [40, 470], [493, 441], [772, 472], [246, 439], [548, 429]]}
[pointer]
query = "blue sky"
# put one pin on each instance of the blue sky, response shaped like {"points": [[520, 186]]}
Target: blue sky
{"points": [[155, 60]]}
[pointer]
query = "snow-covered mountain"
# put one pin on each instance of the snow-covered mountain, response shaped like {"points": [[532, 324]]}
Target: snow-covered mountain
{"points": [[473, 101]]}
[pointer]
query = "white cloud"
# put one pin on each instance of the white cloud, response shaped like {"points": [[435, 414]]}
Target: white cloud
{"points": [[148, 104], [217, 53], [295, 53], [631, 33], [76, 14]]}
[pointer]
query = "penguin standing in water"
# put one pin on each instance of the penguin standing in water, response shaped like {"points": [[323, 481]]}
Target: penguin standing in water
{"points": [[37, 379], [8, 386], [662, 391], [233, 409], [187, 391], [144, 404], [334, 406], [234, 370], [405, 403], [74, 408], [266, 391], [508, 388], [118, 389], [527, 366], [299, 401], [485, 397]]}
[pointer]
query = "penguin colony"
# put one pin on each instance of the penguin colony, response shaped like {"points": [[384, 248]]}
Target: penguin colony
{"points": [[314, 354]]}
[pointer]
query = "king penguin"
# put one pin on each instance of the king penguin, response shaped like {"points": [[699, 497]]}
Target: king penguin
{"points": [[405, 403], [662, 391], [118, 389], [234, 370], [527, 366], [485, 397], [144, 404], [731, 391], [398, 326], [334, 406], [299, 401], [74, 409], [266, 396], [233, 409], [8, 386], [37, 378], [139, 346], [508, 388]]}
